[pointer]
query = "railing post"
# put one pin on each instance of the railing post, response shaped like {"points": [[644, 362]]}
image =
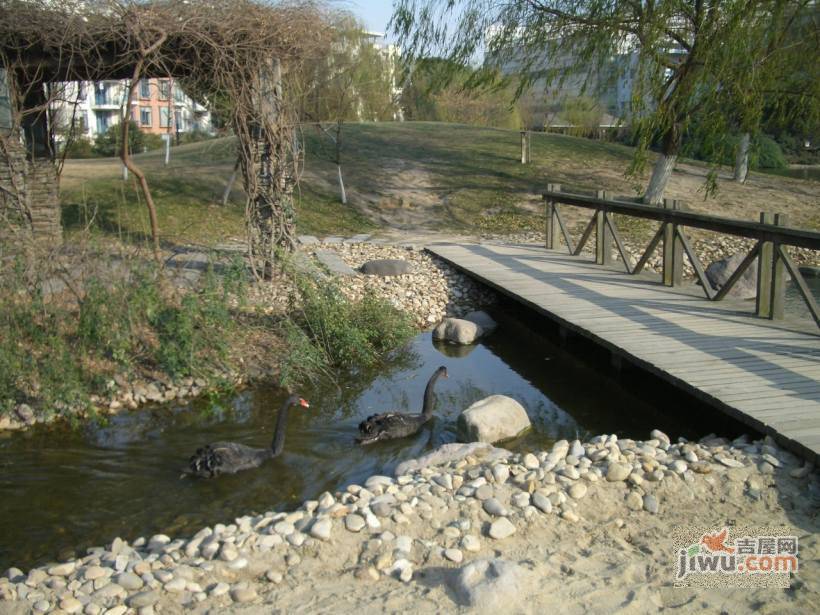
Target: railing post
{"points": [[763, 301], [549, 217], [778, 273], [672, 249], [603, 236]]}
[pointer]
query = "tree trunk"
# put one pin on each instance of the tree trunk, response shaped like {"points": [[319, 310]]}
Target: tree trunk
{"points": [[125, 156], [341, 185], [742, 159], [661, 173]]}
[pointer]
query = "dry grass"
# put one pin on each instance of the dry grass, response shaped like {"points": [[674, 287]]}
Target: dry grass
{"points": [[407, 176]]}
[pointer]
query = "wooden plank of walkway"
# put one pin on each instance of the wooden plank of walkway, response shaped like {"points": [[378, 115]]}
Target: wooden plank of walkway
{"points": [[764, 373]]}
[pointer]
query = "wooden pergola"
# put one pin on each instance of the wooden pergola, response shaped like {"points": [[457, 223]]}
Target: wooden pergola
{"points": [[228, 53]]}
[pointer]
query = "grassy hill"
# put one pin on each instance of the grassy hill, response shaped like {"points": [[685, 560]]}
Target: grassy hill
{"points": [[400, 175]]}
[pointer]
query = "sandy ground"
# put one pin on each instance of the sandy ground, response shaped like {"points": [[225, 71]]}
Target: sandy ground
{"points": [[599, 555]]}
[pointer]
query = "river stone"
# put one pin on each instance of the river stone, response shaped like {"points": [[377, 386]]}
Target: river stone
{"points": [[143, 599], [41, 606], [35, 577], [176, 585], [483, 320], [801, 472], [455, 451], [501, 472], [274, 576], [386, 267], [120, 609], [26, 414], [634, 501], [483, 492], [454, 555], [62, 570], [494, 507], [129, 581], [283, 528], [93, 572], [729, 462], [491, 585], [71, 605], [521, 499], [719, 271], [577, 491], [243, 594], [228, 552], [618, 471], [650, 503], [501, 528], [354, 522], [678, 466], [457, 331], [492, 419], [321, 529], [530, 461], [541, 502], [471, 543]]}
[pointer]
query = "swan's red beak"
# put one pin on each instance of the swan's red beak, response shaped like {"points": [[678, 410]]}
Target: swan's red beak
{"points": [[304, 403]]}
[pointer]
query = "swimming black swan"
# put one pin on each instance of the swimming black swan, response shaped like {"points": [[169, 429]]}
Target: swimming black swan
{"points": [[392, 425], [229, 457]]}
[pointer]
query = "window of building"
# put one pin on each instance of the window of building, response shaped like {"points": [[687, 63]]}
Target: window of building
{"points": [[164, 89], [164, 117], [145, 88], [145, 116], [102, 123]]}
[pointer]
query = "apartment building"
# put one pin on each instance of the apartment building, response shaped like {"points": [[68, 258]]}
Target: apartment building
{"points": [[159, 106]]}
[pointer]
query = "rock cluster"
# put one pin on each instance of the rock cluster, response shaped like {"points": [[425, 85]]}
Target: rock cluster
{"points": [[430, 292], [431, 516]]}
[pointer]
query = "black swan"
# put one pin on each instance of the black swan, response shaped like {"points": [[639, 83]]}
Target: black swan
{"points": [[229, 457], [392, 425]]}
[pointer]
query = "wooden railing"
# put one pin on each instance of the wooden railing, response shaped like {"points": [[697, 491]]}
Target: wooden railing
{"points": [[771, 235]]}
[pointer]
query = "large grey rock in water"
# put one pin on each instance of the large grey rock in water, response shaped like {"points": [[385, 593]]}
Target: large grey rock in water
{"points": [[457, 331], [491, 585], [386, 267], [483, 320], [493, 419], [453, 452], [718, 274]]}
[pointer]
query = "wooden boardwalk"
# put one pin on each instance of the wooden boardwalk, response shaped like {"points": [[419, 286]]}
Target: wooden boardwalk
{"points": [[764, 373]]}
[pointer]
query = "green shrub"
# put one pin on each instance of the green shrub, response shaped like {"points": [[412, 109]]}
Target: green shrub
{"points": [[53, 353], [329, 331], [766, 154], [80, 147]]}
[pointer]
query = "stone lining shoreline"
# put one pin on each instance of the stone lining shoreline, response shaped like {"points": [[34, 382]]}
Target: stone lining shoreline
{"points": [[436, 524]]}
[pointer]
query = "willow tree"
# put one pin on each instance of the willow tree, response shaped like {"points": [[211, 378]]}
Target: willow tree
{"points": [[352, 81], [679, 53]]}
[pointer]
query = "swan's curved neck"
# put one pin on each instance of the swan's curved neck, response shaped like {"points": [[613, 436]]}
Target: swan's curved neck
{"points": [[279, 432], [429, 396]]}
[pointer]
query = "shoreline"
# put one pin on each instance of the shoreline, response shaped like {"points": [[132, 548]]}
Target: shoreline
{"points": [[590, 522], [453, 294]]}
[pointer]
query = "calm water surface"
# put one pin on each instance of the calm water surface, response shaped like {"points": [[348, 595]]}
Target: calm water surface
{"points": [[62, 491]]}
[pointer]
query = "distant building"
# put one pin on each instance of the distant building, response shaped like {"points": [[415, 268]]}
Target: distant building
{"points": [[391, 54], [159, 106], [611, 83]]}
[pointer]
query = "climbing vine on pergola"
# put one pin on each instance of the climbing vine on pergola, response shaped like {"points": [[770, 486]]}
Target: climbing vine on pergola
{"points": [[228, 54]]}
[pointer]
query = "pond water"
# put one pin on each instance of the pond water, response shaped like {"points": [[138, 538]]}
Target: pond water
{"points": [[64, 490]]}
